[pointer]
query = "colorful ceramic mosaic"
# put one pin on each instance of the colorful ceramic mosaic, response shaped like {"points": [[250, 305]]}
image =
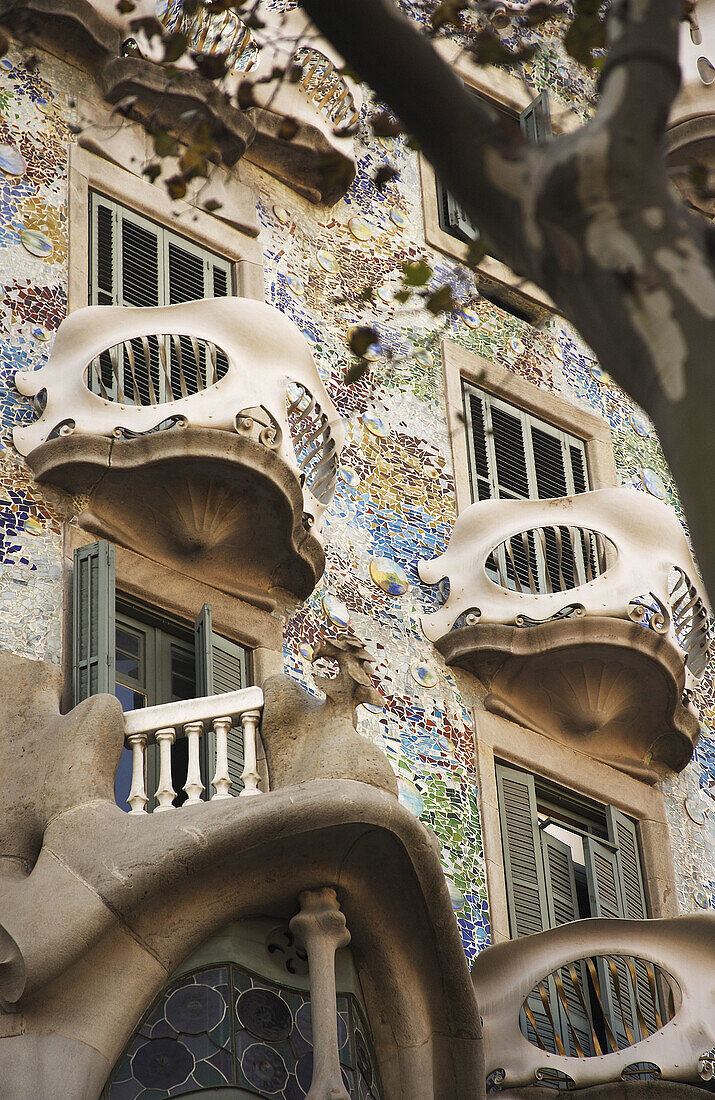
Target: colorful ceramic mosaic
{"points": [[395, 499]]}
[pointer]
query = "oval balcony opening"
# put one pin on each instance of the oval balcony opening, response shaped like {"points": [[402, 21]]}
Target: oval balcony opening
{"points": [[557, 558], [598, 1005], [156, 369]]}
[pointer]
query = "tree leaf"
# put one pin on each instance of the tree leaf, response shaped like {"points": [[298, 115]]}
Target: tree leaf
{"points": [[403, 296], [442, 301], [175, 46], [383, 175], [447, 13], [355, 371], [124, 7], [288, 129], [147, 23], [416, 273], [212, 205], [164, 144], [361, 338], [384, 125], [244, 95], [212, 66], [488, 49], [176, 186], [152, 171]]}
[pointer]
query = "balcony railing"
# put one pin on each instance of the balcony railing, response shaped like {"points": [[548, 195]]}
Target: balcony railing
{"points": [[638, 1006], [224, 363], [194, 718], [614, 552]]}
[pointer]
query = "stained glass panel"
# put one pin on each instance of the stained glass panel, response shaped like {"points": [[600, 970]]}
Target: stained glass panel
{"points": [[224, 1026]]}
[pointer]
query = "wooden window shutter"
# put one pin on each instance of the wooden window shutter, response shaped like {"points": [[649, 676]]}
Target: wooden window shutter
{"points": [[220, 667], [453, 218], [606, 900], [535, 120], [93, 621], [623, 832], [139, 257], [563, 908], [523, 863], [475, 413], [103, 259], [526, 888]]}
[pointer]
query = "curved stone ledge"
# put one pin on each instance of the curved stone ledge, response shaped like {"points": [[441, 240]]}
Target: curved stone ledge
{"points": [[603, 685], [210, 504], [154, 890], [617, 1090], [161, 101]]}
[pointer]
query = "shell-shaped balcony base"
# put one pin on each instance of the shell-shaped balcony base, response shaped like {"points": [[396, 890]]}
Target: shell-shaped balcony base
{"points": [[607, 687], [209, 504]]}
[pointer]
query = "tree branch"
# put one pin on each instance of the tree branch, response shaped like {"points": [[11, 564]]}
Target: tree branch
{"points": [[590, 217], [402, 66]]}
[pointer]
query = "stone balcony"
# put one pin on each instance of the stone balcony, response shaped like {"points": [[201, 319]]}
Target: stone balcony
{"points": [[199, 435], [585, 619], [301, 131], [600, 1001], [690, 137]]}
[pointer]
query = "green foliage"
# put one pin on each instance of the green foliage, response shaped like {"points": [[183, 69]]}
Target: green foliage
{"points": [[586, 33], [442, 301], [488, 49], [416, 273]]}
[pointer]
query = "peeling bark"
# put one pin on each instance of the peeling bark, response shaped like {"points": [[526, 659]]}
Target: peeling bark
{"points": [[591, 216]]}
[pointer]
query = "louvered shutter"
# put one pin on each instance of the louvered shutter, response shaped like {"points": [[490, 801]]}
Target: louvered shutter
{"points": [[220, 667], [623, 832], [535, 120], [526, 889], [572, 997], [605, 896], [93, 641], [453, 218], [475, 414]]}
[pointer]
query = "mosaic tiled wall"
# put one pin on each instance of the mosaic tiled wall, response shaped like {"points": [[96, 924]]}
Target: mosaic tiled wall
{"points": [[34, 119], [395, 499]]}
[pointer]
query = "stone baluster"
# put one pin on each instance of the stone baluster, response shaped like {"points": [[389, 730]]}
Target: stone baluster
{"points": [[250, 776], [137, 796], [165, 793], [221, 780], [319, 927], [193, 785]]}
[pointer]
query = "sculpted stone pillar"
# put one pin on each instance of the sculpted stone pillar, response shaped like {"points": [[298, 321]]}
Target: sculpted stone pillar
{"points": [[320, 928]]}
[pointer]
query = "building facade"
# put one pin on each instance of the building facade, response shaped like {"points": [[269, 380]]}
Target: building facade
{"points": [[435, 632]]}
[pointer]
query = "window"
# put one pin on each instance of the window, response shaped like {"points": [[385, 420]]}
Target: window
{"points": [[535, 123], [567, 858], [515, 456], [136, 262], [146, 658]]}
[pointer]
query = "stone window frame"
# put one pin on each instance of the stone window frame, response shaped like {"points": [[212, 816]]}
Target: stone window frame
{"points": [[148, 583], [89, 171], [462, 365], [509, 93], [498, 739]]}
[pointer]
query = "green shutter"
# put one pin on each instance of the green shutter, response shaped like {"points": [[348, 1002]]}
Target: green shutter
{"points": [[93, 621], [526, 887], [220, 667], [623, 832], [454, 218], [535, 120], [605, 896], [563, 908]]}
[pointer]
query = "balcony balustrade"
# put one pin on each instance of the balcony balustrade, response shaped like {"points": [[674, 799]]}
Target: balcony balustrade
{"points": [[160, 725], [211, 418], [585, 618], [637, 1006]]}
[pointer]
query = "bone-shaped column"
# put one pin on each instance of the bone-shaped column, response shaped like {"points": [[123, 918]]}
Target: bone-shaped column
{"points": [[320, 928]]}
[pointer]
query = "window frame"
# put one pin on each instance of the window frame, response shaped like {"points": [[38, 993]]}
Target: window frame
{"points": [[90, 172], [576, 773], [507, 93], [464, 367]]}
